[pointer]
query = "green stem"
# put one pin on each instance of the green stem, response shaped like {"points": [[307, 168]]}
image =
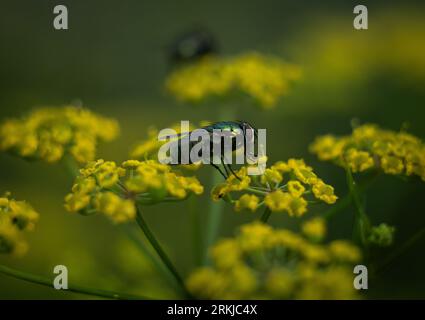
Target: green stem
{"points": [[161, 253], [73, 288], [266, 215], [346, 201], [215, 211], [338, 207], [196, 229], [213, 219], [362, 220], [259, 192], [71, 166], [133, 233]]}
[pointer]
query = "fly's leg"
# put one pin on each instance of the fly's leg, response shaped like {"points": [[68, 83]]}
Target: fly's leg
{"points": [[219, 170], [233, 172], [224, 166], [228, 168]]}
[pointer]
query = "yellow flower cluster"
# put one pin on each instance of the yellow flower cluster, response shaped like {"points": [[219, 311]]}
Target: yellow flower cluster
{"points": [[314, 229], [266, 263], [113, 190], [263, 78], [50, 133], [370, 147], [283, 187], [16, 217]]}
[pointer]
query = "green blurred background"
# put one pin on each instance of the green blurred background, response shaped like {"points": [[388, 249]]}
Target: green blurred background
{"points": [[113, 60]]}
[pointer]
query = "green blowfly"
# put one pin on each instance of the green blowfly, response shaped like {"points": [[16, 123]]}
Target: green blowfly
{"points": [[214, 144]]}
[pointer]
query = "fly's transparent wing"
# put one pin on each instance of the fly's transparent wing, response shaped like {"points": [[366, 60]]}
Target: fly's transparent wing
{"points": [[175, 136]]}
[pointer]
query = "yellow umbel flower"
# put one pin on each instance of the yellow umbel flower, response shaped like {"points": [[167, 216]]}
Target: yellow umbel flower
{"points": [[16, 217], [324, 192], [283, 201], [261, 262], [314, 229], [284, 187], [370, 147], [345, 251], [263, 78], [248, 201], [392, 165], [254, 236], [105, 187], [112, 205], [11, 239], [226, 253], [50, 133], [295, 188], [279, 282], [358, 161], [333, 283], [271, 176]]}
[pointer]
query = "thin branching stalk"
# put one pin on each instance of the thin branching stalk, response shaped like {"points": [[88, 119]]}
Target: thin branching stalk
{"points": [[195, 218], [266, 215], [340, 205], [257, 191], [216, 208], [362, 220], [29, 277], [71, 166], [133, 233], [161, 253], [346, 201], [213, 218]]}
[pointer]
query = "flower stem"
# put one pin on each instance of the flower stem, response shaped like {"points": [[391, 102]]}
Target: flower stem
{"points": [[266, 215], [226, 113], [134, 235], [338, 207], [260, 192], [161, 253], [73, 288], [196, 229], [213, 219], [71, 166], [347, 199], [362, 220]]}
